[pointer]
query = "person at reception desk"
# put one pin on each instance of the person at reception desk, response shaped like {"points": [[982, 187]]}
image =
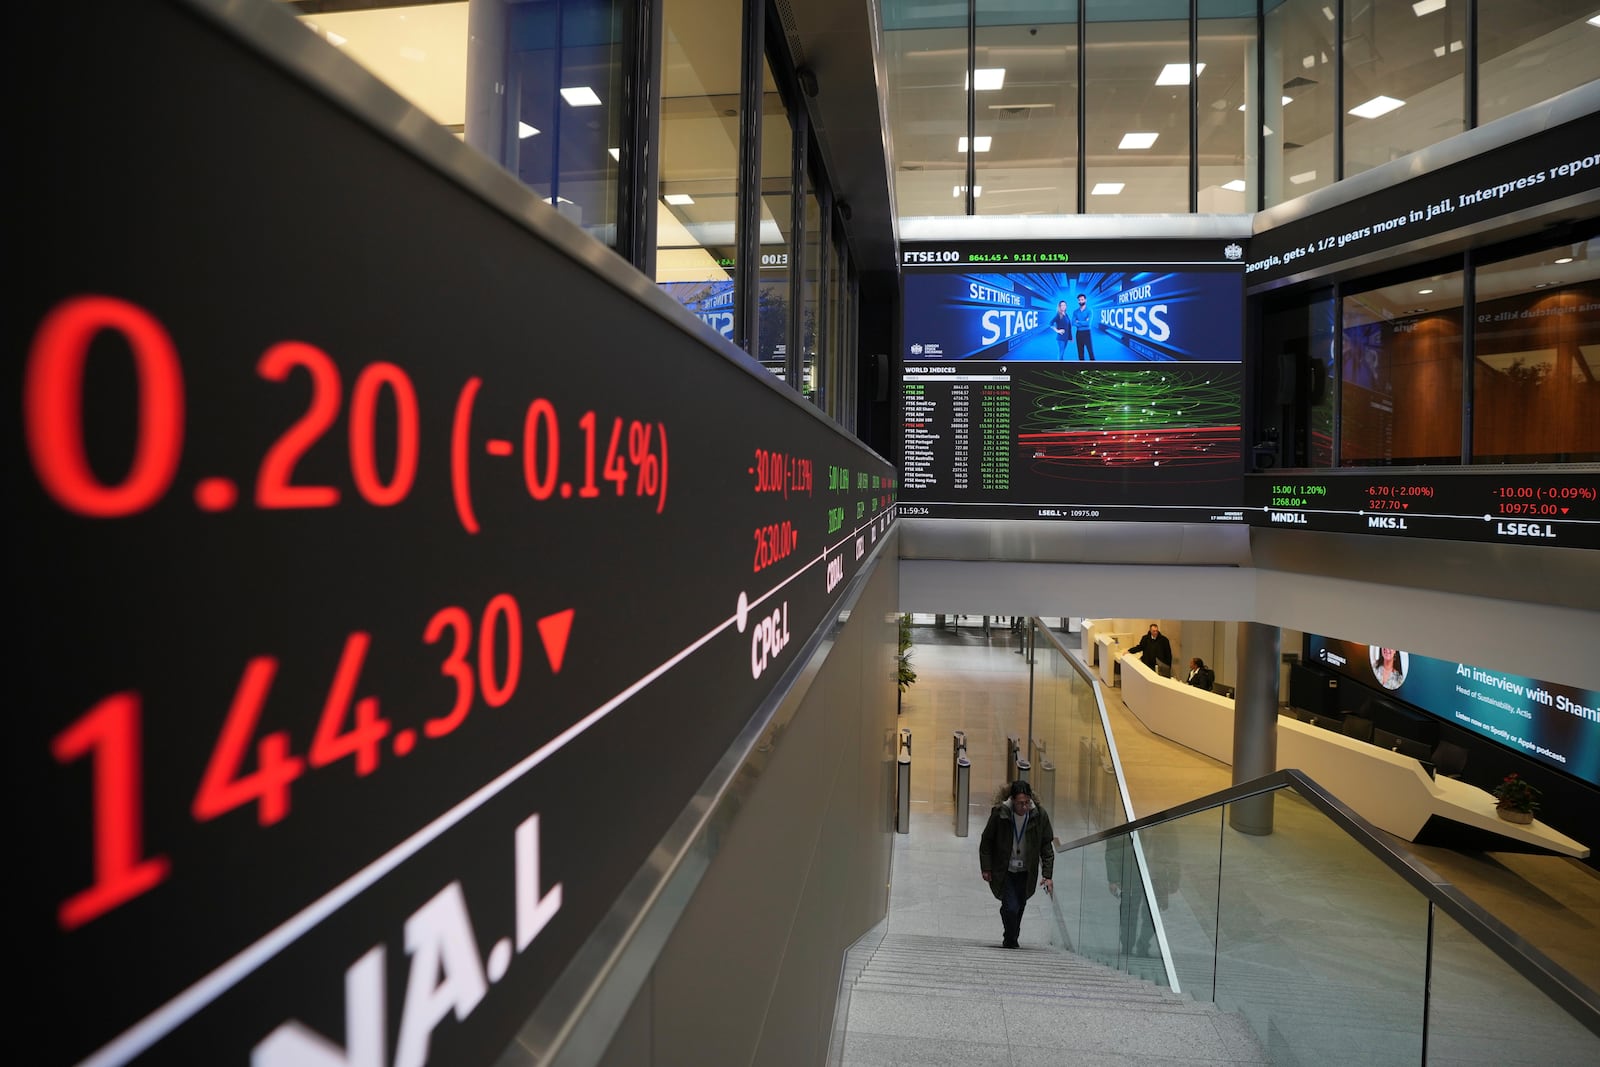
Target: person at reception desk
{"points": [[1154, 648], [1201, 676]]}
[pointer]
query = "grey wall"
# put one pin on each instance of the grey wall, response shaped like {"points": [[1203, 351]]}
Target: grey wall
{"points": [[749, 973]]}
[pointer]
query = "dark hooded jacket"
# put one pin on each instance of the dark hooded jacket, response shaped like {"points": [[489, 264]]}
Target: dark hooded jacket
{"points": [[994, 847]]}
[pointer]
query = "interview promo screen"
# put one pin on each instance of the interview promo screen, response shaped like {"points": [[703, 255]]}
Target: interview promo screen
{"points": [[1073, 380], [1558, 725]]}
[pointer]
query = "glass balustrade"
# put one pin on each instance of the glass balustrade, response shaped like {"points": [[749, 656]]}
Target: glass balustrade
{"points": [[1331, 944]]}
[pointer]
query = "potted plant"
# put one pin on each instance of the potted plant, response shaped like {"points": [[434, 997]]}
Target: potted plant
{"points": [[1516, 799], [906, 674]]}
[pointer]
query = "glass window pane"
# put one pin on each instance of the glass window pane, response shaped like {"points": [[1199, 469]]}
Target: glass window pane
{"points": [[536, 86], [1027, 107], [1401, 397], [1297, 376], [1137, 139], [1228, 111], [1536, 347], [1533, 50], [810, 296], [925, 57], [831, 386], [1403, 71], [697, 202], [1298, 114], [777, 224]]}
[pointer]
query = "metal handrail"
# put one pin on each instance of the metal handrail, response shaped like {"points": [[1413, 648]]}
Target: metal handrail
{"points": [[1549, 977]]}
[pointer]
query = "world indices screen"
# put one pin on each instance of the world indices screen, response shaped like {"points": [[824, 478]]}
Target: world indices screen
{"points": [[1073, 380]]}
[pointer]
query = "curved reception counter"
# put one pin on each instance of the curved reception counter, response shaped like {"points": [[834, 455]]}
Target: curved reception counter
{"points": [[1391, 791]]}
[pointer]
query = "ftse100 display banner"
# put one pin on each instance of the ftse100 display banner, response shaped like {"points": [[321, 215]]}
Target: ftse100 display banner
{"points": [[391, 582], [1073, 380]]}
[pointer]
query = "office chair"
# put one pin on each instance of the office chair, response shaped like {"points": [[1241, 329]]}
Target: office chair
{"points": [[1450, 759], [1357, 727]]}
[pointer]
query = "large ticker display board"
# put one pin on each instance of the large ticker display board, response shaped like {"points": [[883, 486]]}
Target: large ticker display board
{"points": [[1073, 380], [1558, 507], [386, 598], [1558, 725]]}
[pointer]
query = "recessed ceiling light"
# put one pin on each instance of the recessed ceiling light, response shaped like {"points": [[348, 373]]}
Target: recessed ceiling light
{"points": [[1568, 259], [979, 144], [1378, 105], [1424, 292], [1138, 140], [1308, 62], [988, 78], [1178, 73], [1106, 188], [616, 154], [580, 96], [1328, 11], [337, 40], [524, 131], [1455, 46], [1595, 22], [1541, 285], [1438, 51], [1235, 186], [1428, 7], [1239, 108], [1303, 177], [678, 199], [977, 191]]}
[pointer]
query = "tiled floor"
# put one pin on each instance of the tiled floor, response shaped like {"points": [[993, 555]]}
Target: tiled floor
{"points": [[1301, 936]]}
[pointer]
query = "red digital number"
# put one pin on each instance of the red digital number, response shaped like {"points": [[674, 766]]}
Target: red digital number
{"points": [[497, 692], [53, 407], [541, 413], [110, 731], [363, 431], [273, 488], [332, 742], [616, 470], [223, 787], [454, 667]]}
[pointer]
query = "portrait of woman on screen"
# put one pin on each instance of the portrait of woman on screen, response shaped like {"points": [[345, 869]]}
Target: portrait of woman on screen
{"points": [[1388, 666]]}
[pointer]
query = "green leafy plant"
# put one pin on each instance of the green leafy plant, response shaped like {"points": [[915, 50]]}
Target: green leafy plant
{"points": [[1517, 794], [906, 674]]}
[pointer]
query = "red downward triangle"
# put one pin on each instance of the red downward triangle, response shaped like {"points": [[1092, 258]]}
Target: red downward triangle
{"points": [[1563, 511], [554, 630]]}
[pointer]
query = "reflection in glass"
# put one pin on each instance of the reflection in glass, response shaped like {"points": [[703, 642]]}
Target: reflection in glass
{"points": [[698, 198], [1137, 107], [1401, 393], [1529, 52], [777, 196], [1536, 374], [1298, 115], [925, 60], [535, 86], [1027, 105], [811, 295], [1227, 106], [1309, 921], [1403, 69], [1482, 1012]]}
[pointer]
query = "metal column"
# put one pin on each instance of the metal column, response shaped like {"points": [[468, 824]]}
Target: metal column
{"points": [[1255, 723]]}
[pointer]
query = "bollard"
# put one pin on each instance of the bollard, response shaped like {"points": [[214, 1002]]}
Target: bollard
{"points": [[958, 748], [1035, 750], [963, 792], [1024, 768], [902, 809], [1013, 756], [1044, 791]]}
